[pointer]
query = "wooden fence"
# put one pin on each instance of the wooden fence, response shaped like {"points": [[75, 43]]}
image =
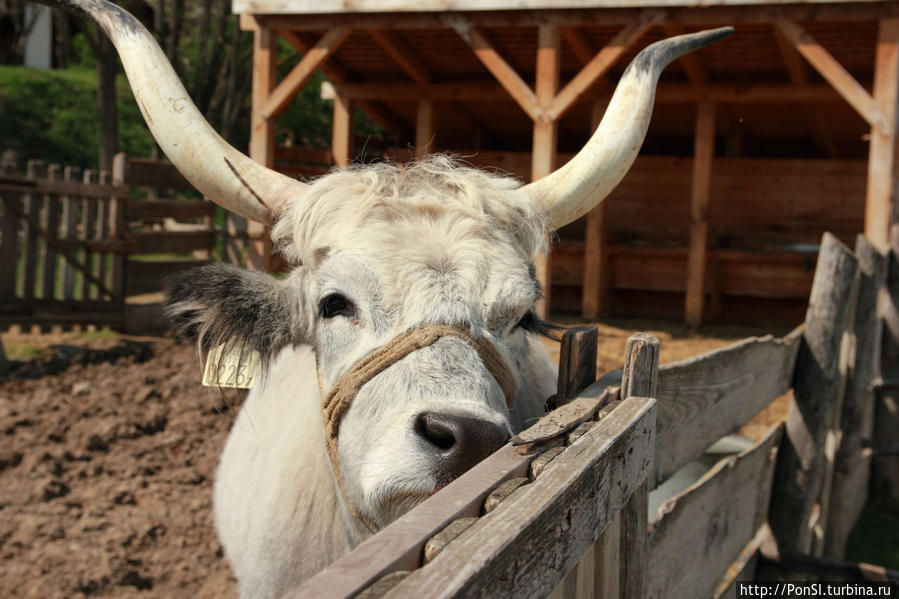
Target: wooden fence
{"points": [[562, 510], [81, 249]]}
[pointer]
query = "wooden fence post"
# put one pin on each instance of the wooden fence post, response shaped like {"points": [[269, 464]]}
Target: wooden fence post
{"points": [[35, 170], [797, 514], [852, 469], [885, 470], [640, 379]]}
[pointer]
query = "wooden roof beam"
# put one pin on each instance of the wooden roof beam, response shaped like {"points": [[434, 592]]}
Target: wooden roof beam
{"points": [[298, 76], [486, 52], [693, 65], [690, 16], [602, 62], [797, 72], [339, 74], [856, 95], [579, 42], [402, 55], [666, 93]]}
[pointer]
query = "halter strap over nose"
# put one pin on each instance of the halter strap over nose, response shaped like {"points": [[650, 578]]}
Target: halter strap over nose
{"points": [[347, 386]]}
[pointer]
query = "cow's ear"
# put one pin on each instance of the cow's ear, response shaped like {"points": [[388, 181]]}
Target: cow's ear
{"points": [[243, 310]]}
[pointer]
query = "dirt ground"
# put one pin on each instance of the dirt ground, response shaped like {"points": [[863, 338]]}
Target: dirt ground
{"points": [[106, 468]]}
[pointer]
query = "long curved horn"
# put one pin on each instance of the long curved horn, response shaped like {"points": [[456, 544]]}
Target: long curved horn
{"points": [[573, 190], [217, 170]]}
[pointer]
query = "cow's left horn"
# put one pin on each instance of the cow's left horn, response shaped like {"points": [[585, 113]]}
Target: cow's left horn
{"points": [[573, 190], [217, 170]]}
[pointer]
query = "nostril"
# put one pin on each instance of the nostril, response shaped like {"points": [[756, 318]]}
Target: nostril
{"points": [[436, 430]]}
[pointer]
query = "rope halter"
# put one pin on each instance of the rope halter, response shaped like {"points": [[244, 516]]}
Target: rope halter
{"points": [[337, 401]]}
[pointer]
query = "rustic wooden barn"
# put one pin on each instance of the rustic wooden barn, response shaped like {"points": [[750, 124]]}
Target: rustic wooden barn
{"points": [[758, 144]]}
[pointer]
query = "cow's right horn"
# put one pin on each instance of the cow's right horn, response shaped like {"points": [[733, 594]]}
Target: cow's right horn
{"points": [[220, 172], [593, 173]]}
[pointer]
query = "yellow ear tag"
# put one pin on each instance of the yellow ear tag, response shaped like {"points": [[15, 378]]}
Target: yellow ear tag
{"points": [[229, 370]]}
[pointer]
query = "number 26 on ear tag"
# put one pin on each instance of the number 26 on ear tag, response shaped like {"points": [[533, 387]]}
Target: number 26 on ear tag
{"points": [[230, 368]]}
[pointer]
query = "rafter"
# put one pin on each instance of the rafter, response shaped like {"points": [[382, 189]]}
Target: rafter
{"points": [[601, 63], [796, 70], [498, 66], [291, 84], [834, 73], [339, 74], [579, 42], [402, 55]]}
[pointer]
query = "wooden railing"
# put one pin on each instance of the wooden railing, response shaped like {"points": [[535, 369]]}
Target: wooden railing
{"points": [[564, 513]]}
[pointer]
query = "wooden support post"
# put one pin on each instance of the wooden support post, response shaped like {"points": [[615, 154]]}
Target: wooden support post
{"points": [[51, 258], [342, 131], [881, 153], [544, 150], [796, 514], [262, 142], [424, 128], [639, 379], [885, 470], [703, 154], [35, 170], [852, 468], [596, 284]]}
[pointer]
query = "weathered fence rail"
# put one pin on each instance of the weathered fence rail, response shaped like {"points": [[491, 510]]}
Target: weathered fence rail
{"points": [[564, 514]]}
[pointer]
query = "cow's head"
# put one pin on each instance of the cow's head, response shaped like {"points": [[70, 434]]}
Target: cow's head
{"points": [[379, 251]]}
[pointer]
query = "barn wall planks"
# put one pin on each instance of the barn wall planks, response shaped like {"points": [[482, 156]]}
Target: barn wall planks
{"points": [[703, 529]]}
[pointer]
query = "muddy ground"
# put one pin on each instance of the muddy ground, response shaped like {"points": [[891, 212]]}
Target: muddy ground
{"points": [[106, 468]]}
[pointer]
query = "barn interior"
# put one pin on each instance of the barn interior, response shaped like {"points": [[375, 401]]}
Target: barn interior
{"points": [[758, 144]]}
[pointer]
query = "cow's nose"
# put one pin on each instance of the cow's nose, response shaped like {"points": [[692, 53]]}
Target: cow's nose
{"points": [[459, 442]]}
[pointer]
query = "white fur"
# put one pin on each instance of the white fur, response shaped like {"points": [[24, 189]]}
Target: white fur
{"points": [[428, 243]]}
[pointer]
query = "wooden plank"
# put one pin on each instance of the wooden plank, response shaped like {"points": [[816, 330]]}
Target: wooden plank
{"points": [[852, 469], [714, 394], [72, 186], [280, 96], [615, 12], [577, 362], [51, 223], [817, 400], [607, 559], [879, 197], [70, 205], [86, 230], [743, 568], [510, 80], [640, 377], [703, 155], [544, 148], [604, 60], [33, 203], [402, 55], [102, 233], [177, 209], [529, 543], [147, 276], [171, 242], [597, 274], [702, 530], [118, 223], [424, 128], [262, 127], [885, 470], [342, 131], [835, 74]]}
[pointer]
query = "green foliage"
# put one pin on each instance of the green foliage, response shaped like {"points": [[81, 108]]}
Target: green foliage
{"points": [[52, 115], [874, 539]]}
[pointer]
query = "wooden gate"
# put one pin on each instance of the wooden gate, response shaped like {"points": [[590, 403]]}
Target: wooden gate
{"points": [[61, 247]]}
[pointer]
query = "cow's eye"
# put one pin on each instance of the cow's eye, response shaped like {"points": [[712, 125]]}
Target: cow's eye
{"points": [[335, 305], [528, 323]]}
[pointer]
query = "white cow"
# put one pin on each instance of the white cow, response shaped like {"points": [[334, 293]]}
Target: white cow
{"points": [[402, 348]]}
